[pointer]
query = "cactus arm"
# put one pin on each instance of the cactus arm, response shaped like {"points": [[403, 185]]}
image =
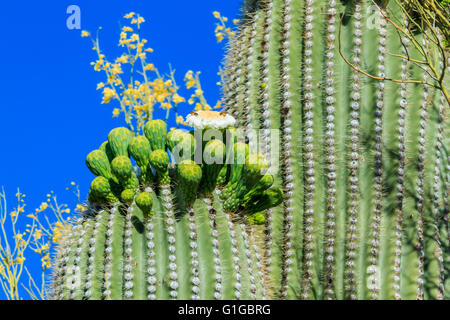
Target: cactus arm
{"points": [[114, 267], [94, 284]]}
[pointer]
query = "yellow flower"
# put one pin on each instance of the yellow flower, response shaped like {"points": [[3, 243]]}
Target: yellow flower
{"points": [[216, 14], [129, 15], [99, 86], [134, 37], [141, 20], [20, 260], [44, 206], [178, 99], [108, 95], [85, 34], [116, 112], [180, 120], [149, 67], [37, 234], [127, 29], [189, 79], [122, 59], [81, 208], [219, 37], [18, 236]]}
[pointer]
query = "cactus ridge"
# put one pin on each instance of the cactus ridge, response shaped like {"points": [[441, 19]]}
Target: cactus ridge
{"points": [[364, 167]]}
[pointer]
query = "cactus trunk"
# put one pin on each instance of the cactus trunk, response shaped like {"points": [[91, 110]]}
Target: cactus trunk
{"points": [[364, 163]]}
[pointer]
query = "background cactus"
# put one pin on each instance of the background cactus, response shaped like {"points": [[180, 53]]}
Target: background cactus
{"points": [[160, 232], [364, 163]]}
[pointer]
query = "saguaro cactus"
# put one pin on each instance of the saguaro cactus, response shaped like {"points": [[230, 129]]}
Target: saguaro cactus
{"points": [[160, 232], [364, 162]]}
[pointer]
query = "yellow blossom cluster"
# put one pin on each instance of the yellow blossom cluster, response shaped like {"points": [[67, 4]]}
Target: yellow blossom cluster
{"points": [[135, 84], [44, 230], [222, 31], [197, 98]]}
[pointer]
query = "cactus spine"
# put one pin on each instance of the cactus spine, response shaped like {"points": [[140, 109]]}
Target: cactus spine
{"points": [[364, 165]]}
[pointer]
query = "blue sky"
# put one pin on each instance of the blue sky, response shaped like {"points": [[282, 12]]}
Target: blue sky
{"points": [[50, 111]]}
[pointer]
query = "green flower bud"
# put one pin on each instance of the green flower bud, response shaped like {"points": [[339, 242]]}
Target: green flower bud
{"points": [[106, 148], [257, 219], [213, 162], [237, 159], [127, 196], [98, 163], [265, 183], [181, 144], [155, 131], [255, 167], [122, 168], [269, 199], [144, 201], [189, 176], [118, 139], [159, 159], [174, 137], [132, 183], [223, 176], [101, 191], [140, 150]]}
